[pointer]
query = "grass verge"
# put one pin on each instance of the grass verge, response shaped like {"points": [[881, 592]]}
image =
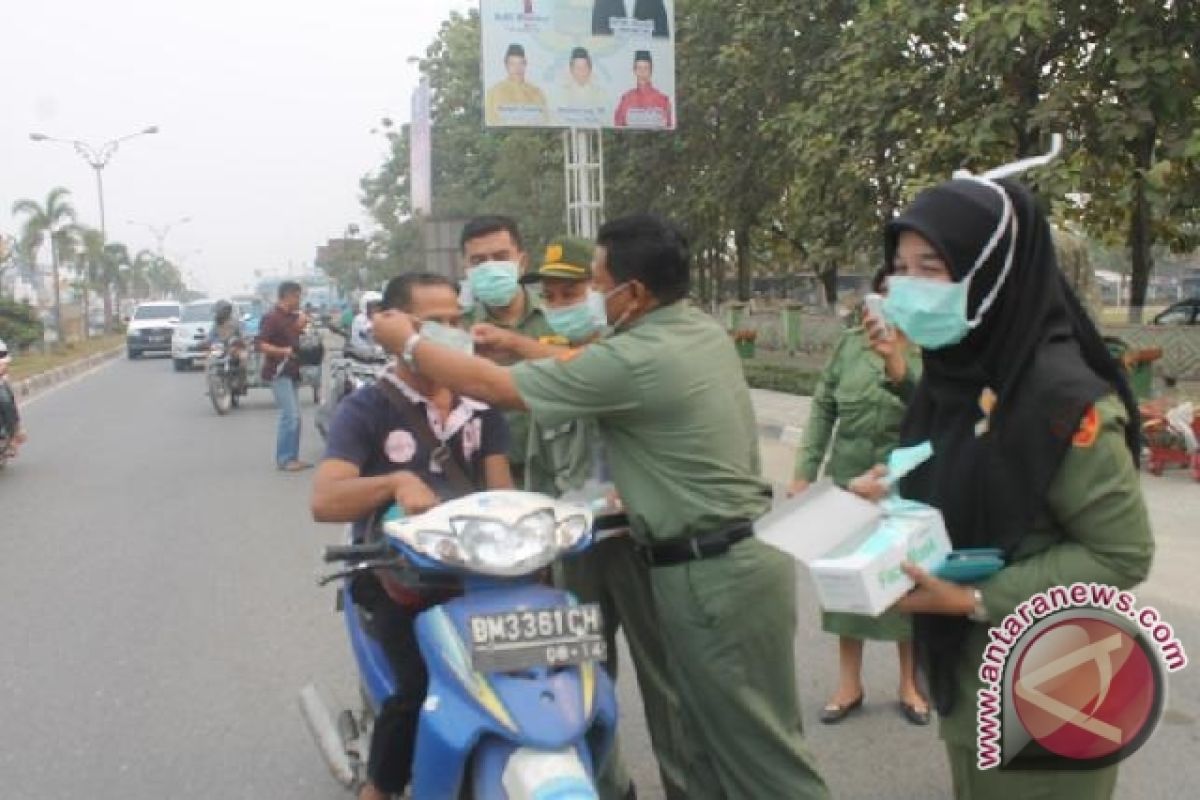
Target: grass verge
{"points": [[33, 362]]}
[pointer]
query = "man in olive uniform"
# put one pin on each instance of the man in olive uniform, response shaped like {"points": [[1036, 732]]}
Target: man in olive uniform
{"points": [[494, 259], [674, 412], [568, 459]]}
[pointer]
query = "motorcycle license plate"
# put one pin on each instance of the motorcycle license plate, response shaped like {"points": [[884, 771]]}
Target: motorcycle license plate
{"points": [[542, 637]]}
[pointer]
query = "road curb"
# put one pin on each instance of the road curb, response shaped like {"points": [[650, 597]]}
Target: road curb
{"points": [[52, 377]]}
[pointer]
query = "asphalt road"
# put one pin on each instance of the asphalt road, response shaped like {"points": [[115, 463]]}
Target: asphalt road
{"points": [[160, 615]]}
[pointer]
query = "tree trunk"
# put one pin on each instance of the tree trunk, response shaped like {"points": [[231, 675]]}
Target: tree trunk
{"points": [[1141, 236], [87, 310], [719, 276], [741, 240], [109, 323], [828, 277], [58, 329]]}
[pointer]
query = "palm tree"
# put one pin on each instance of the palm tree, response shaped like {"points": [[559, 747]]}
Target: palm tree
{"points": [[116, 261], [42, 222], [137, 281], [92, 252]]}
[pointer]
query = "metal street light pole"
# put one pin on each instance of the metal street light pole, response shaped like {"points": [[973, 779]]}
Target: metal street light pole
{"points": [[159, 232], [97, 158]]}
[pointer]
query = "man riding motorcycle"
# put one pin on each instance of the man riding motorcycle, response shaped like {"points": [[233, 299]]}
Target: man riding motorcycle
{"points": [[11, 433], [409, 441]]}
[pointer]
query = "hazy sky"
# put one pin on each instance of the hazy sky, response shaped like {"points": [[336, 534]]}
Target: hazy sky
{"points": [[265, 109]]}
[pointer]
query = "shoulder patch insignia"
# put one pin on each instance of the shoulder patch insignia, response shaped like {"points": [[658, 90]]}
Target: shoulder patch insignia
{"points": [[1089, 427], [569, 355]]}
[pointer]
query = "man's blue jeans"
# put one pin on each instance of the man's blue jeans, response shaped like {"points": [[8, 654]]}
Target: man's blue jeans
{"points": [[287, 438]]}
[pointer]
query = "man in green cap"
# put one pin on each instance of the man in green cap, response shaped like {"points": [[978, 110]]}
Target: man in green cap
{"points": [[568, 460], [494, 259], [674, 412]]}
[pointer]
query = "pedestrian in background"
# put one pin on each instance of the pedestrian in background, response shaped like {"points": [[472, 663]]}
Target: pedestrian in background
{"points": [[279, 339], [858, 405], [1035, 446]]}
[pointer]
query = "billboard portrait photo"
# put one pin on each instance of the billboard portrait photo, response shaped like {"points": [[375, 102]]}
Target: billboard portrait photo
{"points": [[578, 63]]}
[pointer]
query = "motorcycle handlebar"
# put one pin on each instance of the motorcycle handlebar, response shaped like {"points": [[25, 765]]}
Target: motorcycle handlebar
{"points": [[356, 552]]}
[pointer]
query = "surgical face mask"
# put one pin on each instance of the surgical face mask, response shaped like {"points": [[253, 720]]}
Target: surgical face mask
{"points": [[448, 336], [494, 283], [600, 308], [577, 321], [933, 313], [466, 300]]}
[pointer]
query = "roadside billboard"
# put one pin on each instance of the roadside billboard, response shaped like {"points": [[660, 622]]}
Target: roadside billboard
{"points": [[578, 63]]}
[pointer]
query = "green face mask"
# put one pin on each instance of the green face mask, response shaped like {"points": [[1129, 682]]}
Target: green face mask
{"points": [[494, 283], [447, 336], [579, 321], [933, 314]]}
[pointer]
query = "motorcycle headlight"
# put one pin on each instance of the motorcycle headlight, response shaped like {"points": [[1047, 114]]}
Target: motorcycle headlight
{"points": [[443, 546], [508, 549]]}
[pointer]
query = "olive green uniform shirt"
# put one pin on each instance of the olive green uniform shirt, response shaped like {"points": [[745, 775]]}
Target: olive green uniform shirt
{"points": [[1094, 529], [675, 415], [534, 325], [857, 407]]}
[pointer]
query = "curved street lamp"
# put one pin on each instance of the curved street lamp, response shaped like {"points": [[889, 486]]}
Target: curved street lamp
{"points": [[97, 158], [159, 232]]}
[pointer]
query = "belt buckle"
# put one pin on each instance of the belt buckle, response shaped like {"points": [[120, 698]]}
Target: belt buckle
{"points": [[694, 546]]}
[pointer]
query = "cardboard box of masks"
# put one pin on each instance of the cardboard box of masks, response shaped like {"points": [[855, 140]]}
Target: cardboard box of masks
{"points": [[853, 548]]}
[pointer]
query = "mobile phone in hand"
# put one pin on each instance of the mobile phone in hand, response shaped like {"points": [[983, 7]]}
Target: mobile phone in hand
{"points": [[874, 304]]}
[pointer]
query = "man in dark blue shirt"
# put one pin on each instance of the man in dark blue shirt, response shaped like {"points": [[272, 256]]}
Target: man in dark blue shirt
{"points": [[373, 458]]}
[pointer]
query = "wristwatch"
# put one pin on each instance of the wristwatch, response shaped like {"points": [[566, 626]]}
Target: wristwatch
{"points": [[410, 349], [979, 613]]}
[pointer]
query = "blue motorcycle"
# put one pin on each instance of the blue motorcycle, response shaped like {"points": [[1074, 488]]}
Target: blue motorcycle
{"points": [[518, 706]]}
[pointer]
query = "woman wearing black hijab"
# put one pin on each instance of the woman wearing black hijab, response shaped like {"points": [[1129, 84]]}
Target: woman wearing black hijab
{"points": [[1035, 442]]}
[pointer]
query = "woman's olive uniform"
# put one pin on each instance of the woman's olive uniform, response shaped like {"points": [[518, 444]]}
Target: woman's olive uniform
{"points": [[859, 409]]}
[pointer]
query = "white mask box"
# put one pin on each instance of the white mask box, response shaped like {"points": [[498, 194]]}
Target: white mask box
{"points": [[853, 548]]}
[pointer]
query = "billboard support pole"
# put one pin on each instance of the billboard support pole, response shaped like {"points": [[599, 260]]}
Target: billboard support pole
{"points": [[583, 171]]}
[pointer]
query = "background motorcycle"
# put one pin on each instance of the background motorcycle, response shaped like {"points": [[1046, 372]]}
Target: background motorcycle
{"points": [[345, 376], [517, 705], [225, 375]]}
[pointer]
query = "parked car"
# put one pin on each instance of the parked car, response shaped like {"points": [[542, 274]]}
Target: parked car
{"points": [[151, 327], [190, 342], [1185, 312]]}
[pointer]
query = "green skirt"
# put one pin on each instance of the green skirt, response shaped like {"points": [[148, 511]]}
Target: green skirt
{"points": [[890, 626]]}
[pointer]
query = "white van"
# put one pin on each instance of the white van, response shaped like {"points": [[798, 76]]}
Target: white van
{"points": [[190, 342]]}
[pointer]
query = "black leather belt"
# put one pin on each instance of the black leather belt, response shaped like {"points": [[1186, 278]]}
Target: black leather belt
{"points": [[695, 548]]}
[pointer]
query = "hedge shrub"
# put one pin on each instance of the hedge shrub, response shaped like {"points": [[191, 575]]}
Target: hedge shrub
{"points": [[19, 324], [788, 378]]}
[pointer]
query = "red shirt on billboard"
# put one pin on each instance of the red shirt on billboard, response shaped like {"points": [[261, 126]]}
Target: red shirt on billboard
{"points": [[645, 106]]}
